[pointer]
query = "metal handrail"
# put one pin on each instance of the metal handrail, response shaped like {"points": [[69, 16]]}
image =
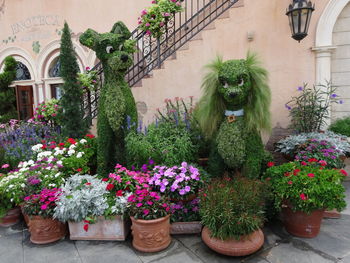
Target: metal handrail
{"points": [[152, 52]]}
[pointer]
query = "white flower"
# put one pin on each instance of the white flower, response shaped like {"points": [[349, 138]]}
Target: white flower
{"points": [[80, 154], [72, 147], [82, 141], [52, 185], [71, 152], [23, 185], [46, 176], [11, 200], [48, 168], [11, 186], [37, 147], [30, 162], [57, 175], [59, 162]]}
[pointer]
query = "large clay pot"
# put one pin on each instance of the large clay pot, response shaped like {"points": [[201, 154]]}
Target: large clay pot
{"points": [[301, 224], [246, 245], [45, 230], [115, 229], [151, 235], [180, 228], [12, 217]]}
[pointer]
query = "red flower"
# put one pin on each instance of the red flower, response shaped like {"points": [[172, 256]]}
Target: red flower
{"points": [[119, 193], [86, 227], [43, 141], [287, 174], [303, 196], [61, 144], [322, 163], [71, 141], [303, 163], [109, 187], [44, 147], [79, 170], [290, 182], [104, 179], [343, 172], [312, 160], [90, 136], [270, 164], [296, 171], [311, 175], [87, 183]]}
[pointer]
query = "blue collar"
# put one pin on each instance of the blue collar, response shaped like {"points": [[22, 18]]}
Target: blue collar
{"points": [[236, 113]]}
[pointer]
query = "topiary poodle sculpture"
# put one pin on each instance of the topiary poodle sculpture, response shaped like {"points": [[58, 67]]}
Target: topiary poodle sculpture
{"points": [[232, 112], [116, 104]]}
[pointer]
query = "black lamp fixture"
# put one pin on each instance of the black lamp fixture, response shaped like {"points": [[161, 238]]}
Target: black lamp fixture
{"points": [[299, 13]]}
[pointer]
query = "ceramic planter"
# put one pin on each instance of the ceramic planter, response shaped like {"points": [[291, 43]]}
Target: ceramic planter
{"points": [[151, 235], [12, 217], [179, 228], [115, 229], [231, 247], [45, 230], [301, 224]]}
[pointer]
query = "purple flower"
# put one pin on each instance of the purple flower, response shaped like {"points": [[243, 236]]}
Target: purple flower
{"points": [[182, 191], [187, 188], [151, 162], [334, 95], [300, 88], [341, 102], [162, 188], [288, 107]]}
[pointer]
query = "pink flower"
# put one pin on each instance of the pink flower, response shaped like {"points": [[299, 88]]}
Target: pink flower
{"points": [[4, 166], [148, 32], [322, 163], [303, 163], [145, 211], [147, 24], [303, 196], [144, 12], [343, 172], [290, 182], [138, 204], [149, 202], [270, 164], [43, 207], [311, 175]]}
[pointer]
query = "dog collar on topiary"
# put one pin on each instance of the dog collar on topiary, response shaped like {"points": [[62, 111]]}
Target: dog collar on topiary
{"points": [[237, 113]]}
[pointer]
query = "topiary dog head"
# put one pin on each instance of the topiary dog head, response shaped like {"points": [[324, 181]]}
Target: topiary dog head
{"points": [[113, 49], [234, 85], [234, 82]]}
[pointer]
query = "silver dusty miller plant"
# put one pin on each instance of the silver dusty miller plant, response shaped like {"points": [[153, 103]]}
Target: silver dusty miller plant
{"points": [[82, 196]]}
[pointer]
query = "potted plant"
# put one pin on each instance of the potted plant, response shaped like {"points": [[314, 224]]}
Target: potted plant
{"points": [[150, 220], [92, 211], [185, 218], [232, 212], [11, 196], [303, 190], [181, 185], [40, 209]]}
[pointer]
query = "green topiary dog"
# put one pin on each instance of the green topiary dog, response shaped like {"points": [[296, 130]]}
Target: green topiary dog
{"points": [[232, 112], [116, 101]]}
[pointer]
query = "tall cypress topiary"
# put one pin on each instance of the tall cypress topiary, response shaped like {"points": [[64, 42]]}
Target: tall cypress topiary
{"points": [[7, 95], [73, 123]]}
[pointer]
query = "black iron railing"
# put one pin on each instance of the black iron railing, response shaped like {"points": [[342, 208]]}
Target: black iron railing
{"points": [[152, 52]]}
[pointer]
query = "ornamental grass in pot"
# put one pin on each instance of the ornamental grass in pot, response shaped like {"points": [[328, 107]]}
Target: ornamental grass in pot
{"points": [[92, 210], [40, 209], [232, 212], [302, 191], [150, 220]]}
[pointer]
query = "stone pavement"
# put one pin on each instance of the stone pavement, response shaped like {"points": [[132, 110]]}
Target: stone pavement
{"points": [[331, 245]]}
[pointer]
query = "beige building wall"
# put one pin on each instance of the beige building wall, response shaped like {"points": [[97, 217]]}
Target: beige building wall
{"points": [[30, 29]]}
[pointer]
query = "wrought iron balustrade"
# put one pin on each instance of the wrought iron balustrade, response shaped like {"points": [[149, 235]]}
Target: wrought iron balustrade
{"points": [[152, 52]]}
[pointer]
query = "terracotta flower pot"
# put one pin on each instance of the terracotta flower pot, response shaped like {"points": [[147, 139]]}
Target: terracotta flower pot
{"points": [[12, 217], [231, 247], [151, 235], [25, 216], [115, 229], [45, 230], [301, 224]]}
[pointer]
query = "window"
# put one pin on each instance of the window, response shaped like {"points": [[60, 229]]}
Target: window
{"points": [[54, 70], [22, 72]]}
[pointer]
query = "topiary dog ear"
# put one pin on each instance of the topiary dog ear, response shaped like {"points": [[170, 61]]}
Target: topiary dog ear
{"points": [[121, 29], [89, 38]]}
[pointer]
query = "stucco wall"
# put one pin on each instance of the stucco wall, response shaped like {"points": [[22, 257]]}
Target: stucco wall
{"points": [[290, 63]]}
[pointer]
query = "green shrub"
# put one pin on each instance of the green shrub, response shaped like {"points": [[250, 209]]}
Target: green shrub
{"points": [[307, 187], [233, 208], [341, 126]]}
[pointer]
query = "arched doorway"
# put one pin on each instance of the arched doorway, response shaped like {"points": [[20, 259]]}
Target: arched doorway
{"points": [[340, 66]]}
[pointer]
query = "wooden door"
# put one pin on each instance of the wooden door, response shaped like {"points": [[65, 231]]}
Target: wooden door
{"points": [[24, 102]]}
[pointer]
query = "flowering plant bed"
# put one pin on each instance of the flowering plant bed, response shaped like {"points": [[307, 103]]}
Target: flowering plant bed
{"points": [[177, 181], [48, 112], [307, 186]]}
